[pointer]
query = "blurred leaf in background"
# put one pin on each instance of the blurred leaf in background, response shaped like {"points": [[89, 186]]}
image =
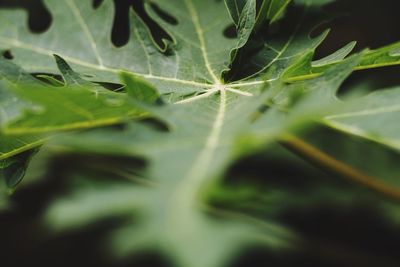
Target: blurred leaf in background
{"points": [[199, 133]]}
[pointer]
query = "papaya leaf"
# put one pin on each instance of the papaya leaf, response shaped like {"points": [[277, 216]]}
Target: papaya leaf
{"points": [[373, 117], [189, 111]]}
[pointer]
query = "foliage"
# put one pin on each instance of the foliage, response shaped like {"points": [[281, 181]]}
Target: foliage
{"points": [[184, 111]]}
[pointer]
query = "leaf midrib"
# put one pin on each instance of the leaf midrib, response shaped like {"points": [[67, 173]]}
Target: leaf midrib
{"points": [[76, 61], [356, 131], [368, 112], [200, 36], [193, 181], [81, 21], [21, 149]]}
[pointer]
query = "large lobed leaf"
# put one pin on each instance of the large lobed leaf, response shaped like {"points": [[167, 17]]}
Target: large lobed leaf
{"points": [[211, 121]]}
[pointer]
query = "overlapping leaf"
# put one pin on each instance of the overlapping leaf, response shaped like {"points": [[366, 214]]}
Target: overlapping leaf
{"points": [[201, 52], [31, 108], [374, 117], [210, 121], [175, 218]]}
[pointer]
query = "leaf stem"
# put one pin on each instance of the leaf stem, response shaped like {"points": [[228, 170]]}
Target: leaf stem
{"points": [[318, 157]]}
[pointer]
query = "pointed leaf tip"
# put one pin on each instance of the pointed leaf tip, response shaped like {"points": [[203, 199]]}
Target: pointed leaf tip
{"points": [[138, 88]]}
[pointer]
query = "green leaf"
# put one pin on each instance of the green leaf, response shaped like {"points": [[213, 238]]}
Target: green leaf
{"points": [[207, 122], [335, 57], [13, 145], [30, 107], [139, 89], [140, 43], [101, 60], [373, 117], [246, 23], [12, 170], [69, 108], [174, 206], [12, 108], [184, 163], [235, 8], [69, 75], [271, 11], [384, 56], [273, 55], [381, 57]]}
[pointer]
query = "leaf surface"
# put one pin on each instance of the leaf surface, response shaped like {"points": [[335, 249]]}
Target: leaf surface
{"points": [[374, 117], [197, 38], [202, 123], [184, 163]]}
